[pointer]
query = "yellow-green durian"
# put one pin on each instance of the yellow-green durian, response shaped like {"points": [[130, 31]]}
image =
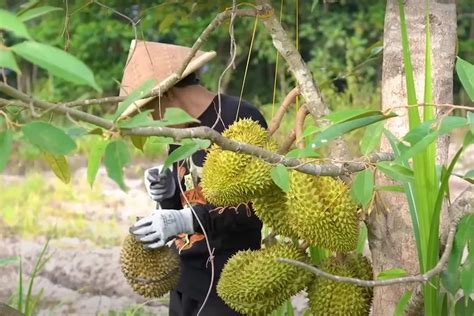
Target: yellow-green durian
{"points": [[322, 212], [272, 209], [230, 178], [254, 283], [328, 297], [150, 272]]}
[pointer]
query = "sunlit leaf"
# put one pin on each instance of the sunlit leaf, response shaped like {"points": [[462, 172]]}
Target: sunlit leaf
{"points": [[306, 152], [37, 12], [347, 115], [402, 304], [5, 148], [281, 177], [371, 138], [49, 138], [391, 274], [56, 61], [395, 171], [176, 116], [363, 187], [59, 166], [7, 60], [181, 153], [95, 156], [116, 157], [137, 94], [10, 22], [465, 71]]}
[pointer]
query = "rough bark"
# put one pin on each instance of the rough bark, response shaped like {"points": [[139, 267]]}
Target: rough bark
{"points": [[391, 236]]}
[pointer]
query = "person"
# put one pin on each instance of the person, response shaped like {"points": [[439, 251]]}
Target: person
{"points": [[184, 214]]}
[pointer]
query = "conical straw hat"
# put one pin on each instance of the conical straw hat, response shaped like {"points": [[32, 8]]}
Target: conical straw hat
{"points": [[152, 60]]}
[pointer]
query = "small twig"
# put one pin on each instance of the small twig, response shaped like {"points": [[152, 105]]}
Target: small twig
{"points": [[420, 278], [289, 99], [299, 125], [290, 139]]}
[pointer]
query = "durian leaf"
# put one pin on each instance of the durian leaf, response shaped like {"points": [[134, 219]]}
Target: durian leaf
{"points": [[95, 156], [5, 148], [142, 119], [49, 138], [176, 116], [391, 274], [10, 22], [347, 115], [138, 141], [391, 188], [402, 304], [116, 157], [340, 129], [465, 71], [7, 60], [182, 152], [464, 307], [281, 177], [363, 187], [470, 120], [371, 138], [395, 171], [450, 276], [137, 94], [467, 271], [362, 239], [306, 152], [59, 166]]}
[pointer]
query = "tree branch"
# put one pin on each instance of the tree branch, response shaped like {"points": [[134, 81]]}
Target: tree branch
{"points": [[289, 99], [290, 139], [464, 206], [205, 132], [299, 124]]}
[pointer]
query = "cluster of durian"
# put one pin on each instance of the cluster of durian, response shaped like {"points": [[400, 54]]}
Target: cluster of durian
{"points": [[150, 272], [318, 210]]}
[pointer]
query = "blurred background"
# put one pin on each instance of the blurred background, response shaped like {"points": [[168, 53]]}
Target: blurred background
{"points": [[341, 41]]}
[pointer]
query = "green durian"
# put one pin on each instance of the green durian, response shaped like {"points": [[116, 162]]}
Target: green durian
{"points": [[272, 209], [328, 297], [230, 178], [254, 283], [150, 272], [322, 212]]}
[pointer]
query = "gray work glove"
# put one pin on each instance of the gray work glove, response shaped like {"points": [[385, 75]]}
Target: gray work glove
{"points": [[157, 229], [160, 186]]}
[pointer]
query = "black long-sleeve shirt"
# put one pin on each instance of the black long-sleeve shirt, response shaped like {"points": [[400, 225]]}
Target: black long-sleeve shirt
{"points": [[228, 229]]}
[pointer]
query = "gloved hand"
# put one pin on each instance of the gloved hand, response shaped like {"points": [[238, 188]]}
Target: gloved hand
{"points": [[157, 229], [160, 186]]}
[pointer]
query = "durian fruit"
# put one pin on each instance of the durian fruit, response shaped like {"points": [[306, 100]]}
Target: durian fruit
{"points": [[322, 212], [272, 209], [328, 297], [150, 272], [254, 283], [230, 178]]}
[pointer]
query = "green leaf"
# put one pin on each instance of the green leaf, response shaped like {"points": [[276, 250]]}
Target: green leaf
{"points": [[391, 188], [8, 260], [116, 157], [181, 153], [371, 138], [56, 61], [5, 148], [363, 187], [37, 12], [49, 138], [467, 274], [464, 307], [402, 304], [7, 60], [142, 119], [138, 141], [137, 94], [281, 177], [310, 130], [450, 277], [9, 22], [59, 166], [470, 120], [395, 171], [76, 131], [418, 147], [362, 239], [465, 72], [306, 152], [176, 116], [391, 274], [348, 115], [95, 156], [450, 123], [337, 130]]}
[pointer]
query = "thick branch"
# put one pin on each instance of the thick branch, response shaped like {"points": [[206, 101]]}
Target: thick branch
{"points": [[464, 205], [289, 99]]}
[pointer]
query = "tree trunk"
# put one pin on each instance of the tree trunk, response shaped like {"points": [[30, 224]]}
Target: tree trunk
{"points": [[391, 237]]}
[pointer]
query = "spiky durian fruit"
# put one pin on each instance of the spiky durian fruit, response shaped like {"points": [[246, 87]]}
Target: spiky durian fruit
{"points": [[150, 272], [254, 283], [328, 297], [272, 209], [322, 212], [231, 178]]}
